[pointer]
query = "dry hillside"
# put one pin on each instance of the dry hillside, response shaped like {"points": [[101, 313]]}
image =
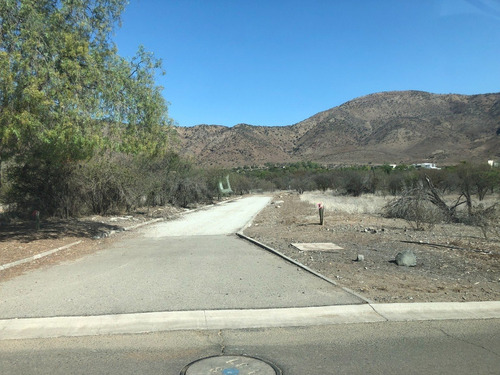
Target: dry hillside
{"points": [[388, 127]]}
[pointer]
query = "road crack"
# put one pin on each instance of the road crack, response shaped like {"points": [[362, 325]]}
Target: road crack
{"points": [[469, 342], [221, 342]]}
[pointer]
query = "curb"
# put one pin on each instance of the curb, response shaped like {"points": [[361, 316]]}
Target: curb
{"points": [[74, 326], [293, 261], [398, 312], [141, 224], [50, 252], [304, 267], [37, 256], [101, 235]]}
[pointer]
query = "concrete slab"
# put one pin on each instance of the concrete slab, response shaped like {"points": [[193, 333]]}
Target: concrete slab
{"points": [[317, 246]]}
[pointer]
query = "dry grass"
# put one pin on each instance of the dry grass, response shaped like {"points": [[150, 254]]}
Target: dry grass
{"points": [[289, 212], [371, 203], [365, 204]]}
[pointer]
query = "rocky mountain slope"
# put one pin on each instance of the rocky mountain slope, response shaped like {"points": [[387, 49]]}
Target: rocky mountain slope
{"points": [[388, 127]]}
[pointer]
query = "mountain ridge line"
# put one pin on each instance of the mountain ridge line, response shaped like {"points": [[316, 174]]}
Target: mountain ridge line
{"points": [[385, 127]]}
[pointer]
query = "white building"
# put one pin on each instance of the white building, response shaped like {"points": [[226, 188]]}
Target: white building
{"points": [[426, 166]]}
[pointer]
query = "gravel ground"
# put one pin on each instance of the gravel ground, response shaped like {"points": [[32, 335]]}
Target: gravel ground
{"points": [[454, 262]]}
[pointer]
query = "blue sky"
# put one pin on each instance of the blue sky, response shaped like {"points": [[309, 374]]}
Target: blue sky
{"points": [[278, 62]]}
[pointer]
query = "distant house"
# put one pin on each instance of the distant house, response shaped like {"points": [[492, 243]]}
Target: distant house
{"points": [[426, 166], [493, 163]]}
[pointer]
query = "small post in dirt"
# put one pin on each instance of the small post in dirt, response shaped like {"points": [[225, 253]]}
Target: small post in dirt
{"points": [[36, 216], [321, 209]]}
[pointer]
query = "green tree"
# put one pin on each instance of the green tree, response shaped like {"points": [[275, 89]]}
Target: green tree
{"points": [[386, 168], [65, 92], [66, 96]]}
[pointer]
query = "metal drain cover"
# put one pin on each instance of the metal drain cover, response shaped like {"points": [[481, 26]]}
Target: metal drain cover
{"points": [[230, 365]]}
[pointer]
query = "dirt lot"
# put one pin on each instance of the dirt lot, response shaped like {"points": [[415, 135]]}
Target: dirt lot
{"points": [[454, 262]]}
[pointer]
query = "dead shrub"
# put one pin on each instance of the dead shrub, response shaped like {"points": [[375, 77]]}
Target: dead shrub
{"points": [[414, 207], [487, 219]]}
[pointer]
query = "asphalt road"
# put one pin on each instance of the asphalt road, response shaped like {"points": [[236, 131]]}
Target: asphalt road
{"points": [[195, 263], [438, 347]]}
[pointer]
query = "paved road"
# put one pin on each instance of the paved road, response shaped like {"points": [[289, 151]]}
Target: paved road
{"points": [[439, 347], [226, 218], [190, 264]]}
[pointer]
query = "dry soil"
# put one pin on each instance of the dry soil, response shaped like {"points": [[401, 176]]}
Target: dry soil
{"points": [[454, 261]]}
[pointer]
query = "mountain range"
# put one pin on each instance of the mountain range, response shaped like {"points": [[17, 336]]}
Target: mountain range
{"points": [[388, 127]]}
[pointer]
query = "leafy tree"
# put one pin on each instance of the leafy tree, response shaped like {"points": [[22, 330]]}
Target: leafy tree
{"points": [[354, 183], [66, 96], [64, 91], [323, 181], [303, 182], [387, 168]]}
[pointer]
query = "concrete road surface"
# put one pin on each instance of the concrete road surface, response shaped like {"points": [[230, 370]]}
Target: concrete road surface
{"points": [[439, 347], [226, 218], [194, 263]]}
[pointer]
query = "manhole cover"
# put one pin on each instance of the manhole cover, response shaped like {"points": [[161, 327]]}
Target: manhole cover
{"points": [[230, 365]]}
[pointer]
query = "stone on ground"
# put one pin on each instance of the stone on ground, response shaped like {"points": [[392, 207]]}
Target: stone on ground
{"points": [[406, 258]]}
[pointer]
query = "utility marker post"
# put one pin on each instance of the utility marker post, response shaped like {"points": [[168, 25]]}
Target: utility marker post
{"points": [[321, 209]]}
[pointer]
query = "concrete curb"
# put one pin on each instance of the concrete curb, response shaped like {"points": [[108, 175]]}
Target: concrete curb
{"points": [[102, 235], [143, 224], [406, 311], [293, 261], [73, 326], [438, 310], [50, 252], [298, 264], [37, 256]]}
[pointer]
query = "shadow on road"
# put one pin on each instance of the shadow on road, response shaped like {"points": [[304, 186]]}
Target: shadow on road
{"points": [[24, 231]]}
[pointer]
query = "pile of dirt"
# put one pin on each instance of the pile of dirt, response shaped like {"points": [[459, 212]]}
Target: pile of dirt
{"points": [[454, 262]]}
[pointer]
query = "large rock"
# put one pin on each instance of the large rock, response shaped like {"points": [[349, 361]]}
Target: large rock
{"points": [[406, 258]]}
